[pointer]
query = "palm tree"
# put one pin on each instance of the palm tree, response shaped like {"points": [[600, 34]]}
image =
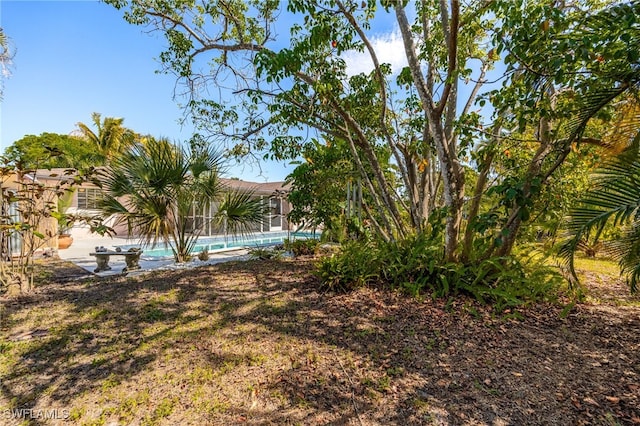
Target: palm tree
{"points": [[156, 187], [614, 199], [111, 139]]}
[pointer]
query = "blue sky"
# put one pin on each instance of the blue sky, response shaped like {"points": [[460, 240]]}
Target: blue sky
{"points": [[74, 58]]}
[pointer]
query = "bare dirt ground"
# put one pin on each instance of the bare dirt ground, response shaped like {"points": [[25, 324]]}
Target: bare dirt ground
{"points": [[256, 343]]}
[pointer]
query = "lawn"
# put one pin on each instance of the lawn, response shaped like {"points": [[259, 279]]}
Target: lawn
{"points": [[255, 343]]}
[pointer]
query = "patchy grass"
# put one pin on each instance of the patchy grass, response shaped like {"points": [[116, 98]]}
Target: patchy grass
{"points": [[255, 343], [597, 265], [602, 284]]}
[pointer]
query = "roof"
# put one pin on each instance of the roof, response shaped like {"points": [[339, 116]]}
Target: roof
{"points": [[263, 188], [259, 187]]}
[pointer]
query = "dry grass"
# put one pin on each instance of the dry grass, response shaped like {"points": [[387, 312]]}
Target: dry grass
{"points": [[255, 343], [602, 284]]}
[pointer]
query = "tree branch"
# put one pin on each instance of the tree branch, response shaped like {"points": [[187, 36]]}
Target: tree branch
{"points": [[451, 37]]}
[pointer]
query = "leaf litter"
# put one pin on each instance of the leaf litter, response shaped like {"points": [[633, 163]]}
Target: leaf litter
{"points": [[256, 343]]}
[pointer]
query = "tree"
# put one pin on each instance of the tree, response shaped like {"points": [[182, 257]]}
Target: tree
{"points": [[613, 200], [327, 190], [111, 139], [26, 225], [49, 150], [321, 188], [317, 194], [306, 85], [155, 189], [424, 115], [28, 213], [6, 57], [592, 61]]}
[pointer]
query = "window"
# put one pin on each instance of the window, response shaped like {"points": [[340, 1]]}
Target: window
{"points": [[275, 207], [10, 243], [88, 198]]}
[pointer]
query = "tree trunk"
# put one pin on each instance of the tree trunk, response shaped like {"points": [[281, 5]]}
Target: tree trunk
{"points": [[440, 118]]}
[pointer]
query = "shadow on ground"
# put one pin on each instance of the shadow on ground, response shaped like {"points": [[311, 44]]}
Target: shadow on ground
{"points": [[256, 343]]}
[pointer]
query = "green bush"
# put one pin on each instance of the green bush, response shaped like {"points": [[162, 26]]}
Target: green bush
{"points": [[412, 264], [203, 255], [415, 266], [355, 266], [305, 247], [511, 281], [264, 253]]}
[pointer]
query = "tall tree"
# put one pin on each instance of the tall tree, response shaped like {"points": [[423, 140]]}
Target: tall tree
{"points": [[307, 85], [110, 137], [425, 115], [592, 61], [6, 57]]}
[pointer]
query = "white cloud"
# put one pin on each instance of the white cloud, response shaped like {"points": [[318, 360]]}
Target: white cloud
{"points": [[389, 49]]}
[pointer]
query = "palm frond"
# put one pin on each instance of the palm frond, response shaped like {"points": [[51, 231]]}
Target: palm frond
{"points": [[156, 188], [615, 198], [87, 133], [110, 136], [205, 161], [587, 107], [240, 211], [624, 127]]}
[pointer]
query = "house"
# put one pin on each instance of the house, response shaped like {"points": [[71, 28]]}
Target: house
{"points": [[26, 204], [85, 198]]}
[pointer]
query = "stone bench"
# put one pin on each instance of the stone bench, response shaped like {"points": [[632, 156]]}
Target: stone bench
{"points": [[132, 258]]}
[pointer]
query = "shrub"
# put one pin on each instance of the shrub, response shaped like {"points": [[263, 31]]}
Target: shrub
{"points": [[415, 266], [511, 281], [264, 253], [204, 255], [355, 266], [305, 247]]}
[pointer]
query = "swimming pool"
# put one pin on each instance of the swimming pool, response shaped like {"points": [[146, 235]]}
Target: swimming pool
{"points": [[222, 243]]}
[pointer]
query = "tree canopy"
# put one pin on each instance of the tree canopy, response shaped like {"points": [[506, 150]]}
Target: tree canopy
{"points": [[49, 150], [475, 89]]}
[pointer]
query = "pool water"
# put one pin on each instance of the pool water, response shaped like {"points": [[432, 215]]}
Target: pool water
{"points": [[220, 243]]}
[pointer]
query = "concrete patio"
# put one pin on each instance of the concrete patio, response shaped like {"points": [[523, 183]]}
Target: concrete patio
{"points": [[84, 243]]}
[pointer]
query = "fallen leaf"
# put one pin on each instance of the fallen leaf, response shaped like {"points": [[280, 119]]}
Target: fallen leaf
{"points": [[576, 403], [613, 399], [591, 401]]}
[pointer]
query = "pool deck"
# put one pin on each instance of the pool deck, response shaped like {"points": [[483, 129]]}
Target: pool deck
{"points": [[85, 243]]}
